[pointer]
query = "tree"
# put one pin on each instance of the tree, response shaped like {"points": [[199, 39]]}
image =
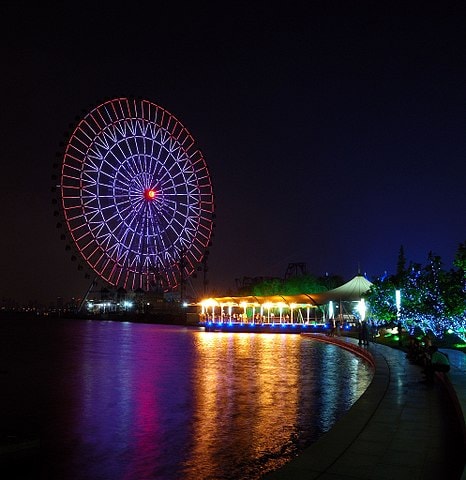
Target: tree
{"points": [[290, 286], [460, 262], [330, 281], [381, 301], [401, 271], [433, 292], [302, 284], [455, 294], [267, 287]]}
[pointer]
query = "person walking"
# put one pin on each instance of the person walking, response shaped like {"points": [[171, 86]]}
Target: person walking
{"points": [[331, 332], [337, 328], [363, 334]]}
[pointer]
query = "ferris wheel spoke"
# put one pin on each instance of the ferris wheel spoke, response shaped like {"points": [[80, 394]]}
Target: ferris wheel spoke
{"points": [[175, 172], [97, 258], [98, 151], [164, 175], [125, 213], [166, 219], [128, 145], [97, 230]]}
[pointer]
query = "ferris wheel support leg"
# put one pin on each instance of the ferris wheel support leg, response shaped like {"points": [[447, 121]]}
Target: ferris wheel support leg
{"points": [[83, 301]]}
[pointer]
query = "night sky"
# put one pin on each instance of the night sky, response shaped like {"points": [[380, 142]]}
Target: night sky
{"points": [[333, 135]]}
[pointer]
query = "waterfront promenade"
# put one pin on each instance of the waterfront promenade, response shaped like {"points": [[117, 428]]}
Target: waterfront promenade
{"points": [[399, 429]]}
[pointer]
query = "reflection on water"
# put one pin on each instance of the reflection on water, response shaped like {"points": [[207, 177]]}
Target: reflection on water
{"points": [[262, 398], [131, 401]]}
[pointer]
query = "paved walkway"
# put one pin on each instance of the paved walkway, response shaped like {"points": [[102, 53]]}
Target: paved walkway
{"points": [[399, 429]]}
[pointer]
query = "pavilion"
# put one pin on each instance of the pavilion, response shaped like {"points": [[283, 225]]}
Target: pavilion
{"points": [[301, 308]]}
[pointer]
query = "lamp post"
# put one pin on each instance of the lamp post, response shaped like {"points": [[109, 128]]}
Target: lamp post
{"points": [[398, 317]]}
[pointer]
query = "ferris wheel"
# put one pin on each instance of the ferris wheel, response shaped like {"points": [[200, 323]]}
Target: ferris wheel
{"points": [[136, 196]]}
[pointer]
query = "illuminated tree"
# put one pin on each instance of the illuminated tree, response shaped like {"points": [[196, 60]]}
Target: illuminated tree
{"points": [[455, 295], [381, 302], [434, 284], [432, 300]]}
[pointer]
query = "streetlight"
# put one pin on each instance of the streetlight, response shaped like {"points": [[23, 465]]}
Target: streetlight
{"points": [[398, 305]]}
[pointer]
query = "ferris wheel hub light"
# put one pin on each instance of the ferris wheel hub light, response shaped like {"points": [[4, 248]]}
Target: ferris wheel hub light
{"points": [[149, 194]]}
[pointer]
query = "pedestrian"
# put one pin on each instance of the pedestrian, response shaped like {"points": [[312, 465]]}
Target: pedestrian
{"points": [[360, 333], [364, 334], [415, 352], [436, 362], [337, 327], [331, 332]]}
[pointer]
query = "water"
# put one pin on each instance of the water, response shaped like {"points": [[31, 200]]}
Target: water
{"points": [[123, 401]]}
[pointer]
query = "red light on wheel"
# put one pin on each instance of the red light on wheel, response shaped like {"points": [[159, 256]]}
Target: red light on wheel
{"points": [[149, 194]]}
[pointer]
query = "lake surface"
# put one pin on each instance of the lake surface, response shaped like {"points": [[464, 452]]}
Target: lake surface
{"points": [[126, 401]]}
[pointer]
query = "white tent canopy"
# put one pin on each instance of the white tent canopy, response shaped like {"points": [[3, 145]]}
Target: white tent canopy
{"points": [[351, 291]]}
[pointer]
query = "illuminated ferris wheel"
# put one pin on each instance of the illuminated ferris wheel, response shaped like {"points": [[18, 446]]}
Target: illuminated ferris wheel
{"points": [[136, 195]]}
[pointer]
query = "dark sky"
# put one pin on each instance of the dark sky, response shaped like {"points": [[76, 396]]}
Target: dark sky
{"points": [[333, 135]]}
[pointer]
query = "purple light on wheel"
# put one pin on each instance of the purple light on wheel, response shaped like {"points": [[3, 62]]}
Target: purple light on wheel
{"points": [[136, 195]]}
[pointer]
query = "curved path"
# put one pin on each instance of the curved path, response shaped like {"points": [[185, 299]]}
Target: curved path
{"points": [[400, 428]]}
